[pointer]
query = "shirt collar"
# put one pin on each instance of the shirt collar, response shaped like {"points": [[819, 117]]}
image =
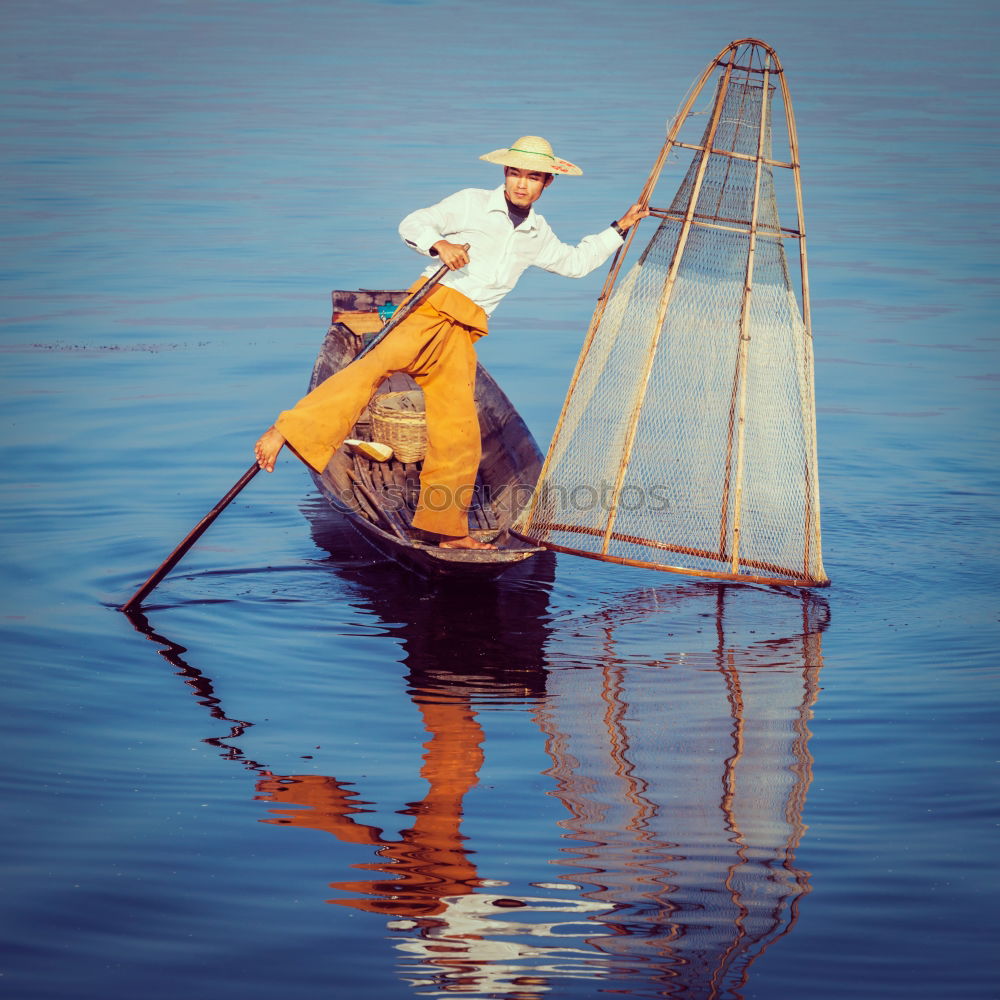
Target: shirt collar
{"points": [[498, 203]]}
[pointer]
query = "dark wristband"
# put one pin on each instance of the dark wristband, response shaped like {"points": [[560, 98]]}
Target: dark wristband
{"points": [[618, 229]]}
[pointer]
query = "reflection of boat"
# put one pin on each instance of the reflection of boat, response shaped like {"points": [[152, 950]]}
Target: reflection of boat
{"points": [[481, 638], [378, 498]]}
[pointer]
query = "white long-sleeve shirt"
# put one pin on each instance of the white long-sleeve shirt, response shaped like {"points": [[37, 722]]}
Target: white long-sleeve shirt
{"points": [[498, 252]]}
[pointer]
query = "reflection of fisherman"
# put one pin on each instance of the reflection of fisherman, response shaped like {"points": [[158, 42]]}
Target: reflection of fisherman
{"points": [[460, 938], [429, 861], [435, 343]]}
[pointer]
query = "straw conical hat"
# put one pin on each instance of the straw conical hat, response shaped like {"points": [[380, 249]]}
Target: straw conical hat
{"points": [[532, 152]]}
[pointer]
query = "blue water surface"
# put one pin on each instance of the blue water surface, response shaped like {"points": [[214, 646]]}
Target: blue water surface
{"points": [[303, 772]]}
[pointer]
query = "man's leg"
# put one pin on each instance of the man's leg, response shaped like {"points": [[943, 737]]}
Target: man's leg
{"points": [[436, 349], [453, 441], [319, 422]]}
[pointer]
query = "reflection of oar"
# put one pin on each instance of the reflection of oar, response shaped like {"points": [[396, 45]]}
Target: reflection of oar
{"points": [[202, 526], [203, 689]]}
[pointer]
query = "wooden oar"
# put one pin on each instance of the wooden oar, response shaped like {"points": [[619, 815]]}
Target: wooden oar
{"points": [[202, 526], [199, 529], [407, 307]]}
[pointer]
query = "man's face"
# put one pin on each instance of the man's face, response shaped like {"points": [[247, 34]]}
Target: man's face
{"points": [[524, 187]]}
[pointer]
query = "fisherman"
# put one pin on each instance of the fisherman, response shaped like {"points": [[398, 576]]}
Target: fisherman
{"points": [[434, 344]]}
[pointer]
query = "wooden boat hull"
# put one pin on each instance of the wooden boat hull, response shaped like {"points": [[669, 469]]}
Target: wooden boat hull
{"points": [[377, 498]]}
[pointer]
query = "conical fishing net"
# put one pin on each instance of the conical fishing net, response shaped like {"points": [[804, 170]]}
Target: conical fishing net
{"points": [[687, 441]]}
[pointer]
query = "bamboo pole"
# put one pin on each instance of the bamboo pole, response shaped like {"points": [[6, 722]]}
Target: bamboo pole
{"points": [[744, 349], [654, 543], [715, 222], [757, 42], [727, 476], [744, 302], [734, 155], [668, 289], [766, 581], [812, 510]]}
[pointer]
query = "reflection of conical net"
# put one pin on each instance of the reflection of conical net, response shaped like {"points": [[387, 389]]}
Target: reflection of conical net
{"points": [[687, 440], [685, 781]]}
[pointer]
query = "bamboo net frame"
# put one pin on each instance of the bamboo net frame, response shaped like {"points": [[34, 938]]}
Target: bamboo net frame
{"points": [[694, 386]]}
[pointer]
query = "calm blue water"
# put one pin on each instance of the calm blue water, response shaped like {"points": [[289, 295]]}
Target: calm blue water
{"points": [[307, 775]]}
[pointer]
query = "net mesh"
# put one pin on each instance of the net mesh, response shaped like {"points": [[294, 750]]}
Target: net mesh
{"points": [[687, 440]]}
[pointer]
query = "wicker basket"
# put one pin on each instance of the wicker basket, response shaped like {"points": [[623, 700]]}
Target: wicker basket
{"points": [[398, 420]]}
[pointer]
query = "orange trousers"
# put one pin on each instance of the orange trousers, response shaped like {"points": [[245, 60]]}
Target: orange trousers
{"points": [[434, 345]]}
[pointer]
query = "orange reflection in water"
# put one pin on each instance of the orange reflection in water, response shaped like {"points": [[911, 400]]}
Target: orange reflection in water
{"points": [[428, 862]]}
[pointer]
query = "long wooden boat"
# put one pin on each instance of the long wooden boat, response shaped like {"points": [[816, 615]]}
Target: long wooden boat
{"points": [[378, 498]]}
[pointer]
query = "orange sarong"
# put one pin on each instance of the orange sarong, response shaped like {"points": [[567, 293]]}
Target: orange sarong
{"points": [[434, 345]]}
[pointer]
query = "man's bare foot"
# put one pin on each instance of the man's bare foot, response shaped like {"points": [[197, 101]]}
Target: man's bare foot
{"points": [[467, 542], [267, 448]]}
